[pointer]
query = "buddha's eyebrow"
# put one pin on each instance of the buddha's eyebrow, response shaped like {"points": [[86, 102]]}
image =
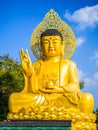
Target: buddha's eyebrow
{"points": [[46, 39], [55, 39]]}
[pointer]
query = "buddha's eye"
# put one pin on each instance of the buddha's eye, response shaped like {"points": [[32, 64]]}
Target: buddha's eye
{"points": [[45, 42], [55, 41]]}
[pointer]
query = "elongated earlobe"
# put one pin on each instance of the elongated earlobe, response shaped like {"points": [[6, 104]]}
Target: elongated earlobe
{"points": [[62, 49], [41, 54]]}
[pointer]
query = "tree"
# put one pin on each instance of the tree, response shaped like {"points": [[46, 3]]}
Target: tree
{"points": [[81, 83], [96, 112], [11, 80]]}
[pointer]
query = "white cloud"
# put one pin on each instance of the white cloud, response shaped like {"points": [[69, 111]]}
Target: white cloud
{"points": [[92, 82], [96, 76], [81, 74], [95, 57], [80, 41], [89, 82], [84, 17]]}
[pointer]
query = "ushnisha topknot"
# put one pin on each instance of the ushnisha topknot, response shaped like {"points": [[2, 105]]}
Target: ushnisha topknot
{"points": [[51, 32]]}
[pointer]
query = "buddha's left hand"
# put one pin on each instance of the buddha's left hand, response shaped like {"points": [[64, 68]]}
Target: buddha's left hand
{"points": [[55, 89]]}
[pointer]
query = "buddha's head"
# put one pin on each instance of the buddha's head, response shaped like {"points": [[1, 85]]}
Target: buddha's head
{"points": [[51, 43]]}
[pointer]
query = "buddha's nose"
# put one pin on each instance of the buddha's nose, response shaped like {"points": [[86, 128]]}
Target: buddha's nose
{"points": [[51, 44]]}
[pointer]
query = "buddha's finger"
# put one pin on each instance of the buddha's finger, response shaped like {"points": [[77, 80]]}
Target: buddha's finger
{"points": [[27, 55], [20, 52]]}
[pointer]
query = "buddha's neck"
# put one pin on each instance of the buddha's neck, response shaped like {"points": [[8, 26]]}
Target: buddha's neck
{"points": [[54, 59]]}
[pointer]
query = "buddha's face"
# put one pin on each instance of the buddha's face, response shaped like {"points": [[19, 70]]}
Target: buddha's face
{"points": [[51, 46]]}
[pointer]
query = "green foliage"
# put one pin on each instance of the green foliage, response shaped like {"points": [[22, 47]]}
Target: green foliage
{"points": [[96, 112], [11, 77], [11, 80], [81, 83]]}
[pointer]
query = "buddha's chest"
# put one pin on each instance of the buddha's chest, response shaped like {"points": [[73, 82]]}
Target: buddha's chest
{"points": [[54, 74], [52, 69]]}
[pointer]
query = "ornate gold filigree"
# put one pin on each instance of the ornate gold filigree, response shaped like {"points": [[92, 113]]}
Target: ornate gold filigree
{"points": [[80, 121], [53, 21]]}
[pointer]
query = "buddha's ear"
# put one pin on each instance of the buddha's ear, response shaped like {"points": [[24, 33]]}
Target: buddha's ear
{"points": [[62, 48], [41, 52]]}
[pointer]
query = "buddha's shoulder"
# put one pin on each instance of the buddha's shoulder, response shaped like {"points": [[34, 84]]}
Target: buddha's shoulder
{"points": [[38, 63], [67, 61]]}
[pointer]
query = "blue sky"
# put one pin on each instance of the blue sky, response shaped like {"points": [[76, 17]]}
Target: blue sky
{"points": [[18, 18]]}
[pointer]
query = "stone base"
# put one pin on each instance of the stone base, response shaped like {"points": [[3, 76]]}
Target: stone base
{"points": [[80, 121], [35, 125], [35, 128]]}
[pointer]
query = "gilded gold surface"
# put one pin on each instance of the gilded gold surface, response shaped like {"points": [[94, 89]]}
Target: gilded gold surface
{"points": [[52, 89], [53, 21]]}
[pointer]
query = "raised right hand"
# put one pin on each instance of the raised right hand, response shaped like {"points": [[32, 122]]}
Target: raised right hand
{"points": [[26, 63]]}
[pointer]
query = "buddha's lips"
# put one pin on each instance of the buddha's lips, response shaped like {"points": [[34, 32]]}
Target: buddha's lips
{"points": [[51, 49]]}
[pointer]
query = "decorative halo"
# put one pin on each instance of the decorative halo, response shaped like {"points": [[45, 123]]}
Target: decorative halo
{"points": [[53, 21]]}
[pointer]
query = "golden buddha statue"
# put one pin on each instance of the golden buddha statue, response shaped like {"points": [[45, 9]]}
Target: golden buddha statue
{"points": [[51, 83]]}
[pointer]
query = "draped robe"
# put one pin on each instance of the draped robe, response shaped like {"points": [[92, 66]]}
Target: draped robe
{"points": [[61, 74]]}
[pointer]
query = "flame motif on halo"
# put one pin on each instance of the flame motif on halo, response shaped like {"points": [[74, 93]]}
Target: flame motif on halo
{"points": [[53, 21]]}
